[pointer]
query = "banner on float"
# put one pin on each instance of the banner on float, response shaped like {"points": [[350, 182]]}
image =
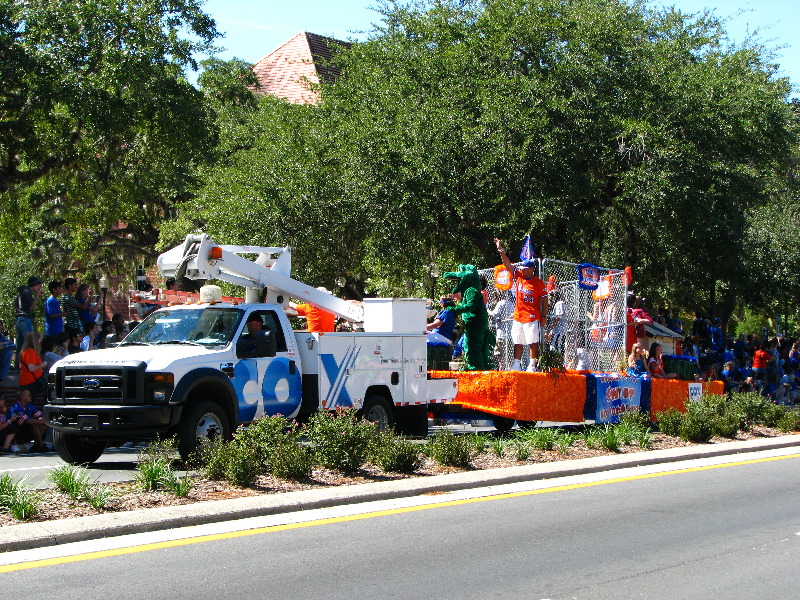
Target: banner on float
{"points": [[610, 395]]}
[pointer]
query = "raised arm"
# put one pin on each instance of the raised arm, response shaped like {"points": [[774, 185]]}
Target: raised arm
{"points": [[503, 256]]}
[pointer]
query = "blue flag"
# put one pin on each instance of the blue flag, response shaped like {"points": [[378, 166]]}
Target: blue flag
{"points": [[527, 249]]}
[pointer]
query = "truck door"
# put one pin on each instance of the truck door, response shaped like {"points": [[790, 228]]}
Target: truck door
{"points": [[266, 384]]}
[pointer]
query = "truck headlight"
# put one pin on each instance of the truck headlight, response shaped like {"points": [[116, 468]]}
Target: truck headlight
{"points": [[160, 386]]}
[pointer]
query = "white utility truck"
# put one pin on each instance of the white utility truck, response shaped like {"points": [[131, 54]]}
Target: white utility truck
{"points": [[197, 371]]}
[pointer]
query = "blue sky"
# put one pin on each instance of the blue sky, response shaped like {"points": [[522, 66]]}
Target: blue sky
{"points": [[254, 28]]}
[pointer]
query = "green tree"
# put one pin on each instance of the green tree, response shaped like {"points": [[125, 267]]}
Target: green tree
{"points": [[100, 132], [612, 131]]}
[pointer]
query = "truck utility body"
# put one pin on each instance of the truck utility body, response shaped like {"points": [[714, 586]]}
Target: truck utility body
{"points": [[196, 370]]}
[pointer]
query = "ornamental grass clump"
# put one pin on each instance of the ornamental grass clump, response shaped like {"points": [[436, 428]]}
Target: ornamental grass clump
{"points": [[16, 498], [449, 449], [394, 453], [608, 438], [78, 484], [73, 480], [541, 438], [565, 440], [154, 465], [340, 439], [498, 445]]}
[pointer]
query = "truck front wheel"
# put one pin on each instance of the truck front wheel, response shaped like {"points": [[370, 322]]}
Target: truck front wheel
{"points": [[77, 449], [202, 422], [377, 410]]}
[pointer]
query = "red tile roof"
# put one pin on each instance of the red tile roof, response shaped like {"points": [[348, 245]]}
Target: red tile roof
{"points": [[287, 71]]}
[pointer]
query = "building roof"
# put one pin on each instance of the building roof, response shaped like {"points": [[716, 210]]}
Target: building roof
{"points": [[287, 71], [658, 330]]}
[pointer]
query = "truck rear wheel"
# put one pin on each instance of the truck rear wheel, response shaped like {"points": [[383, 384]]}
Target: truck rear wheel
{"points": [[202, 422], [377, 410], [502, 424], [77, 449]]}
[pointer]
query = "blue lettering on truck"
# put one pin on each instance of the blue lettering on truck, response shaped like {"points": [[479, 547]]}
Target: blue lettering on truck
{"points": [[338, 375], [278, 394]]}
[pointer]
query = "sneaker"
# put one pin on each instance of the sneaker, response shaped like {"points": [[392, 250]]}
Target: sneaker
{"points": [[531, 368], [38, 449], [5, 450], [516, 366], [14, 449]]}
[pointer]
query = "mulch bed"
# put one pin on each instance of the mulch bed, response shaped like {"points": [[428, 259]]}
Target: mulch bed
{"points": [[129, 496]]}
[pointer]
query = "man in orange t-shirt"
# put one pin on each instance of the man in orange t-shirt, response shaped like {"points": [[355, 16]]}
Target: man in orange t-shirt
{"points": [[530, 309], [317, 319]]}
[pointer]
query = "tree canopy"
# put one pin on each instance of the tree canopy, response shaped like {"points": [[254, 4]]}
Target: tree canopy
{"points": [[100, 132], [611, 131]]}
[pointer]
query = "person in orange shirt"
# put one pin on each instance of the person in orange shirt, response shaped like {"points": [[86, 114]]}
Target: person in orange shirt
{"points": [[31, 376], [760, 359], [317, 319]]}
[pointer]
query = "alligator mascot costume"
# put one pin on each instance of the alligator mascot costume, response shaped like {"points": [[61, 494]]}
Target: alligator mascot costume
{"points": [[478, 339]]}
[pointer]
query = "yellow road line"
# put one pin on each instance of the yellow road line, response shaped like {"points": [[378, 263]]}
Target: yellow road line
{"points": [[370, 515]]}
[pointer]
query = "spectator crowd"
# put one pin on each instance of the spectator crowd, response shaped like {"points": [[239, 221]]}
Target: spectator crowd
{"points": [[71, 324]]}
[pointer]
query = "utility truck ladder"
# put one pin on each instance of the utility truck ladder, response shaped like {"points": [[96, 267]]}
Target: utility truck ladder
{"points": [[201, 258]]}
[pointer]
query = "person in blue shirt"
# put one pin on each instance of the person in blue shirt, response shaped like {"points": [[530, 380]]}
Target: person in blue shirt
{"points": [[30, 422], [715, 331], [444, 323], [53, 315]]}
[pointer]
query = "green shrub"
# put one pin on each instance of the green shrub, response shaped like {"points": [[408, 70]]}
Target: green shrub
{"points": [[290, 460], [696, 427], [669, 421], [789, 422], [479, 442], [340, 440], [726, 425], [636, 420], [243, 463], [211, 458], [99, 495], [393, 453], [753, 407], [266, 434], [773, 415], [449, 449]]}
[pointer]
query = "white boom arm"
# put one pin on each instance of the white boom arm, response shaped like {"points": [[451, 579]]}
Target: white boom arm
{"points": [[201, 258]]}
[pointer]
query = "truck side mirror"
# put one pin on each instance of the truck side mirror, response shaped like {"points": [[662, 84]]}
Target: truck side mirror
{"points": [[263, 346]]}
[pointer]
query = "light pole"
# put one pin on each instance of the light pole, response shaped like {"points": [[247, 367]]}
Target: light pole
{"points": [[433, 270], [104, 287]]}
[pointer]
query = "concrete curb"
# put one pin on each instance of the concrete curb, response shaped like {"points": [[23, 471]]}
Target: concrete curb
{"points": [[35, 535]]}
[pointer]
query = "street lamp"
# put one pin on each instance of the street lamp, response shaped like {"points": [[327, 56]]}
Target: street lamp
{"points": [[104, 287], [433, 271]]}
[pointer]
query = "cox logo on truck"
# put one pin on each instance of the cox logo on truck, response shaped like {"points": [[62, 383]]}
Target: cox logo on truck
{"points": [[279, 390]]}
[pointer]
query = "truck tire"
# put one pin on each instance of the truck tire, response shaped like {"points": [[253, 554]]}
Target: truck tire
{"points": [[78, 449], [502, 424], [377, 410], [202, 422]]}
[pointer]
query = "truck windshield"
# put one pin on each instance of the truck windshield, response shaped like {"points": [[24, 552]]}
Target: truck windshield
{"points": [[200, 326]]}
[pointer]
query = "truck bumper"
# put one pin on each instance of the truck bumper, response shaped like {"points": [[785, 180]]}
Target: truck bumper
{"points": [[122, 422]]}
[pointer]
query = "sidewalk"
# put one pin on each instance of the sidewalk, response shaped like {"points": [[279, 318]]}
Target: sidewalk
{"points": [[48, 533]]}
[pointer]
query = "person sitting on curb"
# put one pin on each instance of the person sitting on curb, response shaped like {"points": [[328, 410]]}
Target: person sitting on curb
{"points": [[30, 422], [8, 429]]}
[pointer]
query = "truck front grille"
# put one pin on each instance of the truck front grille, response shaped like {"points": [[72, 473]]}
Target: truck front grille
{"points": [[106, 384]]}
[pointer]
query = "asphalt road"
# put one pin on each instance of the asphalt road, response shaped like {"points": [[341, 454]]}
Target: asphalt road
{"points": [[691, 532]]}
